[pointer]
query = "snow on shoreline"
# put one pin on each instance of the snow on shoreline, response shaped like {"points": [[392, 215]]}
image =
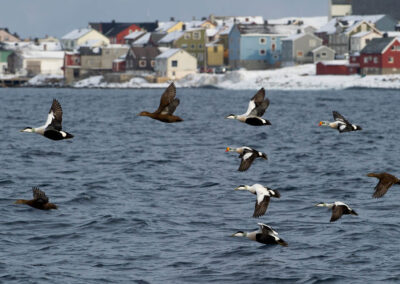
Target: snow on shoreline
{"points": [[300, 77]]}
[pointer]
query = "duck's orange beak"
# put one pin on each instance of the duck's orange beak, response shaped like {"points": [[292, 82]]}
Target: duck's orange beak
{"points": [[227, 149], [320, 123]]}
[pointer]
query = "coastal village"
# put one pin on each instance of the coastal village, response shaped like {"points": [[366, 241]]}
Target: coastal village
{"points": [[350, 40]]}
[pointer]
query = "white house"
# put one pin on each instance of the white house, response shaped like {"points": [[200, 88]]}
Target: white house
{"points": [[175, 64], [83, 37], [359, 40], [33, 62]]}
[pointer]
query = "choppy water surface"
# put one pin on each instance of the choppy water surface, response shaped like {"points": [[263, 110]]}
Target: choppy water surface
{"points": [[143, 201]]}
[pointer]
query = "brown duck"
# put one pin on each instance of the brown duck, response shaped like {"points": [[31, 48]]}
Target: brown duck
{"points": [[39, 201], [385, 182], [168, 104]]}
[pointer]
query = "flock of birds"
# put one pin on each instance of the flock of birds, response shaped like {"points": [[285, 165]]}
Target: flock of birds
{"points": [[52, 129]]}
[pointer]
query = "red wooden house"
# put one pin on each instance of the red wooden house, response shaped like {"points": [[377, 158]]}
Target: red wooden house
{"points": [[337, 67], [381, 56]]}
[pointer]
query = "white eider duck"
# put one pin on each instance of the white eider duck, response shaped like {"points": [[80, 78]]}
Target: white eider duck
{"points": [[52, 128], [386, 180], [248, 155], [263, 197], [265, 235], [340, 123], [256, 109], [338, 209]]}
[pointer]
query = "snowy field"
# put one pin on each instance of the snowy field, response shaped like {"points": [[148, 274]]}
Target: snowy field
{"points": [[288, 78]]}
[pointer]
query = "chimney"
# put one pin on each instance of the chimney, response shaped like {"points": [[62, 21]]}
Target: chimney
{"points": [[385, 35], [172, 19], [298, 31], [183, 27]]}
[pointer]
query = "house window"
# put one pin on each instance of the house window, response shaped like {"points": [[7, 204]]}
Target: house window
{"points": [[173, 73], [273, 47], [375, 59], [200, 46], [263, 40], [300, 53], [186, 36], [365, 59], [200, 56], [184, 45], [392, 48], [275, 56], [313, 42], [272, 38], [215, 49], [390, 59], [196, 35], [152, 63], [174, 63], [142, 63], [323, 54], [262, 51], [192, 46]]}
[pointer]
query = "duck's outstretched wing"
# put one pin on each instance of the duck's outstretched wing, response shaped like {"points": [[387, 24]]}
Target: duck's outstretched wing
{"points": [[39, 196], [54, 118], [338, 117], [169, 109], [337, 212], [260, 109], [261, 206], [382, 187], [255, 101], [167, 98], [247, 159]]}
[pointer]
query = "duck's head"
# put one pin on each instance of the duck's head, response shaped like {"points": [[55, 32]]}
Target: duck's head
{"points": [[144, 113], [322, 204], [242, 187], [323, 123], [27, 129], [239, 234], [231, 116]]}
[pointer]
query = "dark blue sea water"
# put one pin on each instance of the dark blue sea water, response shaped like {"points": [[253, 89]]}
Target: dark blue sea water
{"points": [[141, 201]]}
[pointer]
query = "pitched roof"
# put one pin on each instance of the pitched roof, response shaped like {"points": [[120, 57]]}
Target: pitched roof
{"points": [[75, 34], [377, 45], [134, 35], [330, 27], [264, 29], [168, 53], [147, 51], [170, 37], [144, 39]]}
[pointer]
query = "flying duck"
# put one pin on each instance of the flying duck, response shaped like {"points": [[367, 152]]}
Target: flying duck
{"points": [[385, 182], [263, 197], [248, 155], [265, 235], [340, 123], [52, 128], [338, 209], [168, 104], [39, 201], [256, 109]]}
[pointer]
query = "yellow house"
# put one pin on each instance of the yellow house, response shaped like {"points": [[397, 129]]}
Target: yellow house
{"points": [[86, 37], [215, 54]]}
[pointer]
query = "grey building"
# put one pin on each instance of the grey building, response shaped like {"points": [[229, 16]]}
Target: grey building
{"points": [[296, 49], [372, 7], [323, 53]]}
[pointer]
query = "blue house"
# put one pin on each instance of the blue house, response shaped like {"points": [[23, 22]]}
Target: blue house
{"points": [[253, 46]]}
